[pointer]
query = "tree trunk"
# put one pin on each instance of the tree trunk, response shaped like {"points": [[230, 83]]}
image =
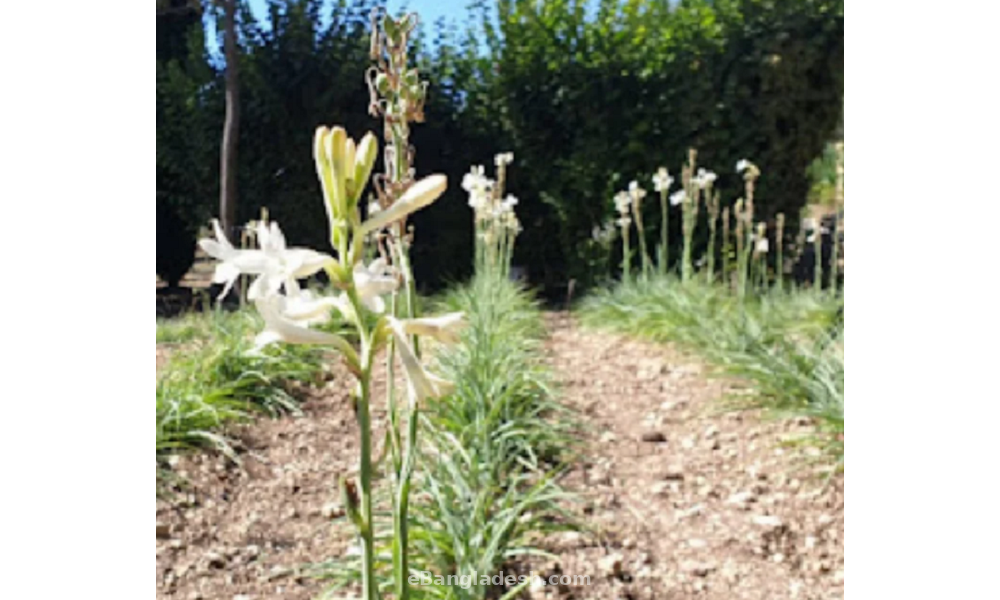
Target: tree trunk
{"points": [[231, 128]]}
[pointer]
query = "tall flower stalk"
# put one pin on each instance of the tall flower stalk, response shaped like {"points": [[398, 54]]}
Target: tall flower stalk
{"points": [[740, 281], [495, 223], [750, 174], [694, 186], [779, 243], [343, 168], [712, 203], [636, 194], [726, 248], [661, 184], [816, 231], [397, 95], [760, 250], [835, 254], [623, 205]]}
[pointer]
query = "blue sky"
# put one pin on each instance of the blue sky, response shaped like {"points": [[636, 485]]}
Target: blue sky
{"points": [[429, 10]]}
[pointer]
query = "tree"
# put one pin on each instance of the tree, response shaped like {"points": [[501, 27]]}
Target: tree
{"points": [[231, 127]]}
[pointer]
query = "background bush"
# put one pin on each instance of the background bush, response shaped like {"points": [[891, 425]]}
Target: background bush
{"points": [[581, 97]]}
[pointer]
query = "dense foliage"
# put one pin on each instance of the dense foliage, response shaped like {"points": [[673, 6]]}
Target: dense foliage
{"points": [[581, 97]]}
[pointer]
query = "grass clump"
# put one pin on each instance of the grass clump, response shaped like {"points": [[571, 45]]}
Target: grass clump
{"points": [[493, 449], [217, 381]]}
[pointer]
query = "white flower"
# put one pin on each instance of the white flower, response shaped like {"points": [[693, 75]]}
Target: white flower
{"points": [[275, 263], [603, 235], [636, 192], [479, 187], [662, 180], [704, 178], [475, 181], [762, 245], [678, 197], [374, 208], [288, 319], [504, 158], [478, 202], [444, 328], [742, 165], [374, 281], [282, 265], [624, 222], [233, 262], [509, 202], [622, 202], [420, 383], [417, 196]]}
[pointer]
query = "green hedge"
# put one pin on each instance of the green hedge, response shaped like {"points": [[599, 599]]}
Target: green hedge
{"points": [[581, 97]]}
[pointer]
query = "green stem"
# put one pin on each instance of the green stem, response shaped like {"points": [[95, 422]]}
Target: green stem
{"points": [[625, 253], [402, 504], [367, 537], [390, 391], [686, 267], [368, 583], [642, 240], [664, 233], [818, 263], [834, 255], [711, 251]]}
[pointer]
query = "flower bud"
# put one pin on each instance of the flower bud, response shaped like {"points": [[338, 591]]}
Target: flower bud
{"points": [[336, 148], [324, 170], [391, 29], [364, 162], [416, 197], [382, 83]]}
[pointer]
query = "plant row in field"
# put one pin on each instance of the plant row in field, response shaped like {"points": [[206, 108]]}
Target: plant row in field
{"points": [[789, 344], [212, 380]]}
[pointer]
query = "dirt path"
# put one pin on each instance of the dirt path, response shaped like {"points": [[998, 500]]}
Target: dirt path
{"points": [[248, 534], [686, 502], [714, 509]]}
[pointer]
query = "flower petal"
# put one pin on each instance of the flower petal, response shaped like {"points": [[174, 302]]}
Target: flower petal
{"points": [[421, 383], [279, 327], [444, 328]]}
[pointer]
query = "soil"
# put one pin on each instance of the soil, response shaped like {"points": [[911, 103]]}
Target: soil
{"points": [[679, 499], [684, 500]]}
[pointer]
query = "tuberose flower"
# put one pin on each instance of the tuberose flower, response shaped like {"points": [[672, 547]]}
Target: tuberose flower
{"points": [[273, 262], [704, 178], [282, 264], [287, 319], [419, 195], [420, 383], [504, 158], [444, 328], [622, 202], [678, 197], [636, 192], [662, 180], [374, 281]]}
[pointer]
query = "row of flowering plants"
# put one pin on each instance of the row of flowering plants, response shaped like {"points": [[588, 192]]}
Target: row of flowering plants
{"points": [[745, 242]]}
